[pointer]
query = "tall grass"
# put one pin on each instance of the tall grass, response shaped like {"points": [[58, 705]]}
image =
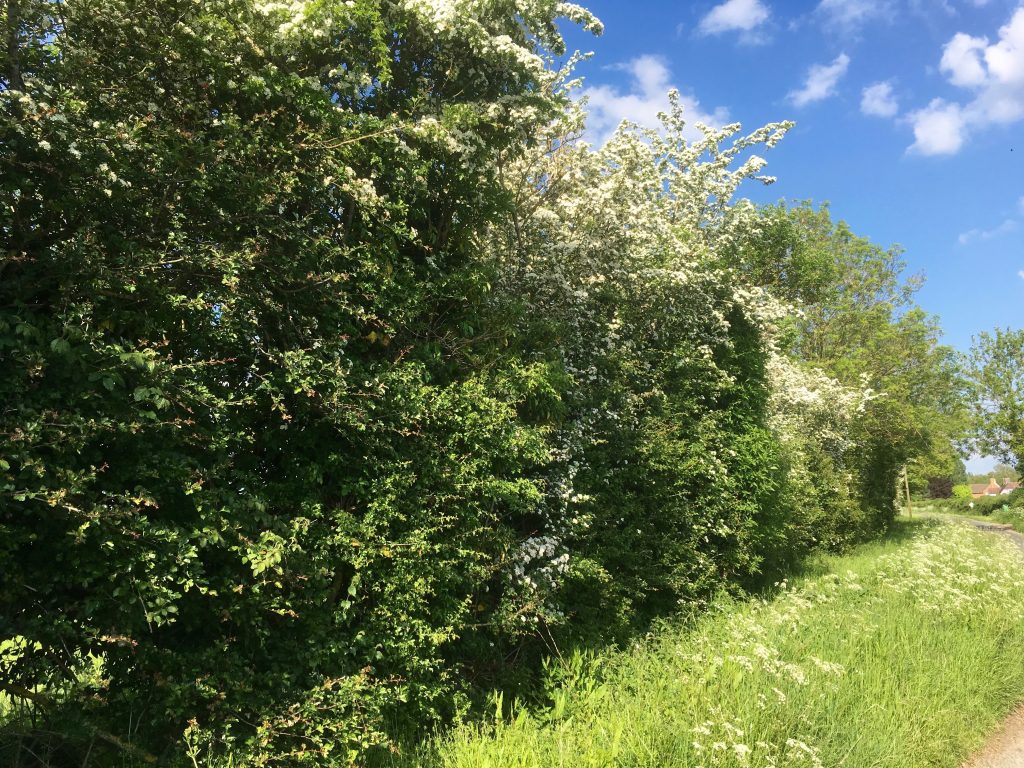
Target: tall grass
{"points": [[906, 653]]}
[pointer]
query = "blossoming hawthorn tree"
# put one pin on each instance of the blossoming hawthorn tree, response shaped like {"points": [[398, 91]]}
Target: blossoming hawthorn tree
{"points": [[668, 480], [816, 418]]}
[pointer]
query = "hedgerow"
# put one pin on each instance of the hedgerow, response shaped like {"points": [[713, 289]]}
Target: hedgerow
{"points": [[338, 374]]}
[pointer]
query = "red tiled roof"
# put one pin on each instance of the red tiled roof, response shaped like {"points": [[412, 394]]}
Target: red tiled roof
{"points": [[993, 488]]}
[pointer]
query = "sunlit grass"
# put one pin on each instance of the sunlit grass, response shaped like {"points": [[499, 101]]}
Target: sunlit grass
{"points": [[1011, 516], [905, 653]]}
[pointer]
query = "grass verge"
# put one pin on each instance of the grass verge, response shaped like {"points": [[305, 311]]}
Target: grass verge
{"points": [[905, 653], [1007, 515], [1014, 517]]}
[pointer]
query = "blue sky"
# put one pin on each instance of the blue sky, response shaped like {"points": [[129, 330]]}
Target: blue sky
{"points": [[910, 120]]}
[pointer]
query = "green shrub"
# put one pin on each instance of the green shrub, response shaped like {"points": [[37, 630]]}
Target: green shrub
{"points": [[962, 492], [984, 505]]}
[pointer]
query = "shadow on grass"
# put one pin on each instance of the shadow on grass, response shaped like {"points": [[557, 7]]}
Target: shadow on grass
{"points": [[537, 666], [900, 532]]}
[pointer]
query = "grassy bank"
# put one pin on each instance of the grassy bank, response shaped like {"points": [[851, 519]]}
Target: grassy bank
{"points": [[1006, 515], [905, 653]]}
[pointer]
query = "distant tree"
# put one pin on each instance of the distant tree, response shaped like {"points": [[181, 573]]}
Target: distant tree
{"points": [[936, 472], [1000, 472], [1005, 472], [997, 386], [939, 488]]}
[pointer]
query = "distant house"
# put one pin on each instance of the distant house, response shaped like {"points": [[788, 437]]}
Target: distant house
{"points": [[993, 488]]}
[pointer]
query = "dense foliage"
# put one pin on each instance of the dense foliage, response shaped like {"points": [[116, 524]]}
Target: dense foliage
{"points": [[963, 503], [859, 323], [338, 374], [255, 458], [1000, 471]]}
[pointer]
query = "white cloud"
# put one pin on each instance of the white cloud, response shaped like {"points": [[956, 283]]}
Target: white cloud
{"points": [[1005, 59], [846, 17], [879, 100], [608, 105], [1009, 225], [961, 60], [939, 129], [994, 72], [821, 81], [1020, 274], [744, 16]]}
